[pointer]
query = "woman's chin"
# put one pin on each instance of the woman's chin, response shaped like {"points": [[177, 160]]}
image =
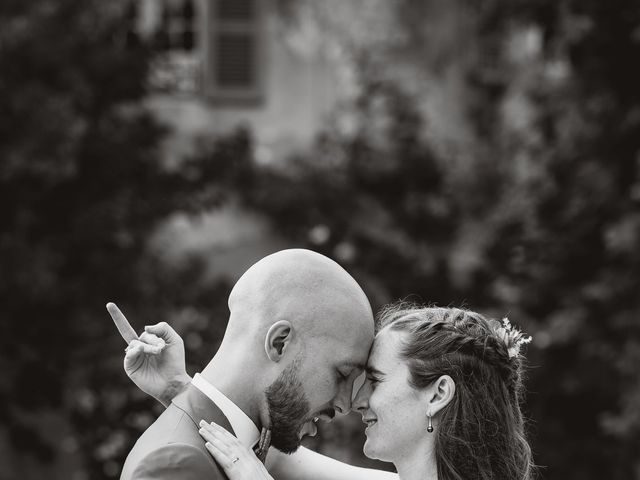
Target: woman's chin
{"points": [[369, 450]]}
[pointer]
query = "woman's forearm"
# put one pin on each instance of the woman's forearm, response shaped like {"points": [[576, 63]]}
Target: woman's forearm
{"points": [[306, 464]]}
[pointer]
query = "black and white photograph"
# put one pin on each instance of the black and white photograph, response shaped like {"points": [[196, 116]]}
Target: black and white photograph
{"points": [[320, 239]]}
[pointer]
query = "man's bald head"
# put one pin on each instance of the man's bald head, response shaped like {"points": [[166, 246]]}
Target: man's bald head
{"points": [[299, 333], [312, 292]]}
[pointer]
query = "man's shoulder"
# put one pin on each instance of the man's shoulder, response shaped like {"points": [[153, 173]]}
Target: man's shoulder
{"points": [[176, 461], [170, 448], [172, 426]]}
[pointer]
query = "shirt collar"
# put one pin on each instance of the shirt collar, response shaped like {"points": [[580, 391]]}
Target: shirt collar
{"points": [[242, 425]]}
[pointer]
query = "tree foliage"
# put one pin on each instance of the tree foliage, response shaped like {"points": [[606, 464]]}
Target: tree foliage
{"points": [[82, 189], [539, 221], [542, 222]]}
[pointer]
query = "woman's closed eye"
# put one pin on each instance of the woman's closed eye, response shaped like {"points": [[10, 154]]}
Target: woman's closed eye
{"points": [[373, 379]]}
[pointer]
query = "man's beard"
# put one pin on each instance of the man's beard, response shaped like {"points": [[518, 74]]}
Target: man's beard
{"points": [[288, 409]]}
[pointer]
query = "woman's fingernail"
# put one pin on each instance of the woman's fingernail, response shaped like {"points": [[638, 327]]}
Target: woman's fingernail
{"points": [[202, 423]]}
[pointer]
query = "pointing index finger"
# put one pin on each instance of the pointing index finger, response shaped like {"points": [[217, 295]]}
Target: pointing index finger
{"points": [[123, 325]]}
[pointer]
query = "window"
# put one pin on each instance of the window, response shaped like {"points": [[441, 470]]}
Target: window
{"points": [[131, 16], [172, 27], [233, 63], [177, 27], [215, 47]]}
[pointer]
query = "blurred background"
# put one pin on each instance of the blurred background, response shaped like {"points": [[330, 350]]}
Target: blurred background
{"points": [[483, 154]]}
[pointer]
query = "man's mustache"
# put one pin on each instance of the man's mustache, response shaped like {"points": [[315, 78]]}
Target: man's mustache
{"points": [[329, 412]]}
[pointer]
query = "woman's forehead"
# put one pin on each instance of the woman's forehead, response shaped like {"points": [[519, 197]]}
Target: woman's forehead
{"points": [[385, 348]]}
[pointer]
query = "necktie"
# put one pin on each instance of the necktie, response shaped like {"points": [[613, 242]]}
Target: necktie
{"points": [[262, 448]]}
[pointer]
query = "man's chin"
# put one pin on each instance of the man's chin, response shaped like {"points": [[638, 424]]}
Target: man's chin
{"points": [[289, 442], [308, 429], [289, 449]]}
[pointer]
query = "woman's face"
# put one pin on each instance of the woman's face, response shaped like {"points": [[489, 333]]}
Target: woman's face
{"points": [[395, 412]]}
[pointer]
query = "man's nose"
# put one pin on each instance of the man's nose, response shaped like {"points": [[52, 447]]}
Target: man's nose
{"points": [[342, 401], [342, 405]]}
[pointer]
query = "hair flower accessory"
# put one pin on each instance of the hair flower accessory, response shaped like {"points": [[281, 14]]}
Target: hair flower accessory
{"points": [[512, 338]]}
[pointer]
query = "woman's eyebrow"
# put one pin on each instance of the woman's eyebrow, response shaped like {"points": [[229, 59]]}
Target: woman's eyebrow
{"points": [[353, 365], [372, 370]]}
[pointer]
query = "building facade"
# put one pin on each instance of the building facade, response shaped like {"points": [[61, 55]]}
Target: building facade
{"points": [[230, 63]]}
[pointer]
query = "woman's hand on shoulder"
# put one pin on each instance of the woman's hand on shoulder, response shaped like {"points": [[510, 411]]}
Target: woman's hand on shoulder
{"points": [[238, 461]]}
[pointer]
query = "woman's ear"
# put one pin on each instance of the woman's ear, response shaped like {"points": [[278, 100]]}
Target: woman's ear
{"points": [[277, 340], [440, 394]]}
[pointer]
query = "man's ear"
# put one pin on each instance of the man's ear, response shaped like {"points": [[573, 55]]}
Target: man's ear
{"points": [[277, 340], [440, 394]]}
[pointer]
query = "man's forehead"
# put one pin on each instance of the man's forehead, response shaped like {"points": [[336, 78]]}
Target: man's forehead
{"points": [[358, 354], [350, 349]]}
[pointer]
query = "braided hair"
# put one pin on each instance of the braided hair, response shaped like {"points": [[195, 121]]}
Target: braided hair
{"points": [[480, 433]]}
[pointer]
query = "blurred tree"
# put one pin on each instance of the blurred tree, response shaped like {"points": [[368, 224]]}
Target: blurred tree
{"points": [[82, 188], [540, 220], [567, 117], [528, 207]]}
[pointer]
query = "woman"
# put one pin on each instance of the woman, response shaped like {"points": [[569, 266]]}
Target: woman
{"points": [[441, 400]]}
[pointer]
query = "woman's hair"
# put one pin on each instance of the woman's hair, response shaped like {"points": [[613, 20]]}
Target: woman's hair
{"points": [[480, 432]]}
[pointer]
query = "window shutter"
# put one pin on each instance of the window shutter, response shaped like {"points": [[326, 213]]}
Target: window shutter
{"points": [[233, 57], [236, 10]]}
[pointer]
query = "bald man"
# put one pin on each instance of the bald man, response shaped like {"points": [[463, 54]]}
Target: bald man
{"points": [[299, 333]]}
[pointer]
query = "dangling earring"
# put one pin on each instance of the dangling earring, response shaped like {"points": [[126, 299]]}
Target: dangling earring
{"points": [[429, 424]]}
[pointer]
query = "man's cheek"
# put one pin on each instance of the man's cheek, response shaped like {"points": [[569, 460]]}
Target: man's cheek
{"points": [[323, 391]]}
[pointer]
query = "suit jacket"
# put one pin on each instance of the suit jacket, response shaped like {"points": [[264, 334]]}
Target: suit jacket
{"points": [[171, 448]]}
